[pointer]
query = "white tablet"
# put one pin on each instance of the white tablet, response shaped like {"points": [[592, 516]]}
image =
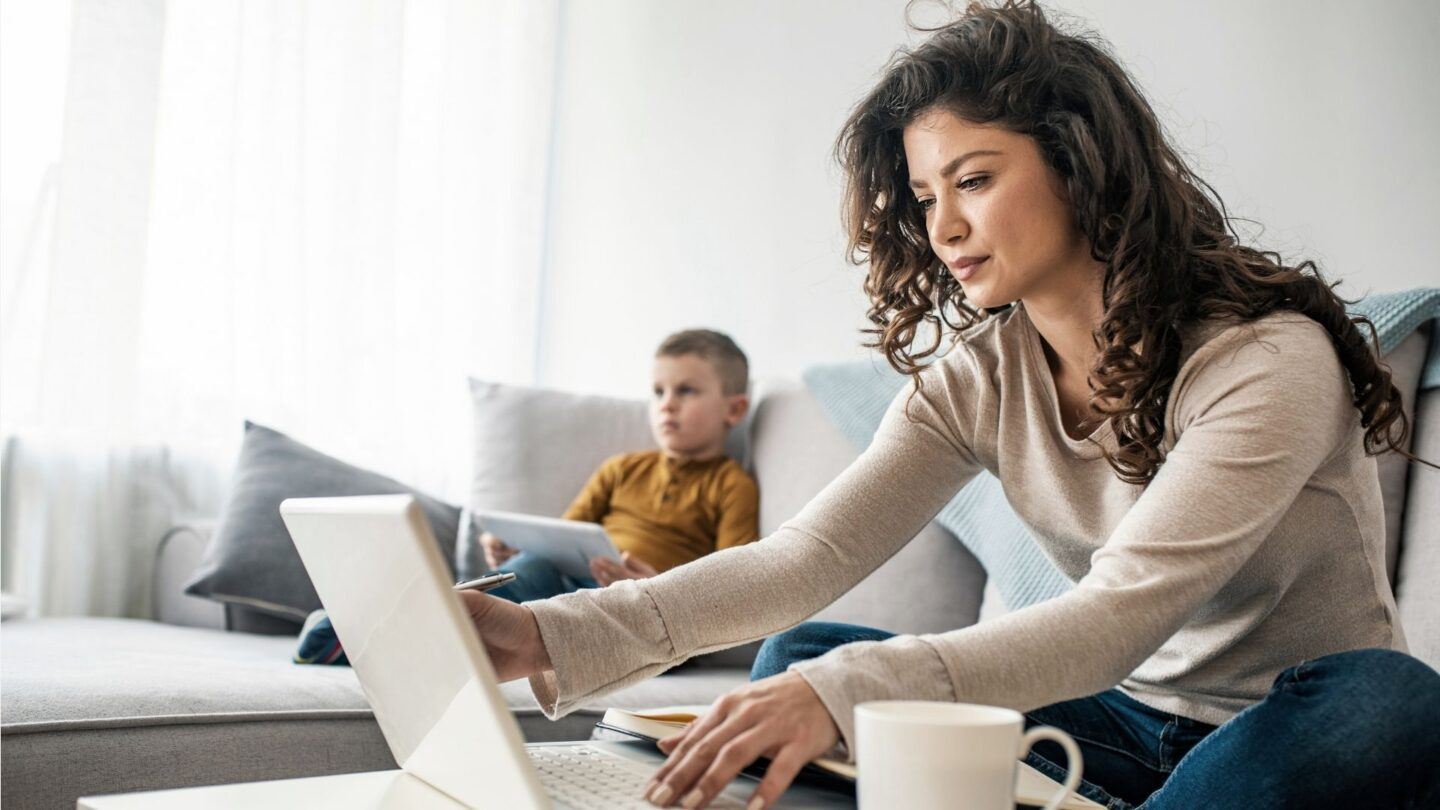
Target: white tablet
{"points": [[567, 544]]}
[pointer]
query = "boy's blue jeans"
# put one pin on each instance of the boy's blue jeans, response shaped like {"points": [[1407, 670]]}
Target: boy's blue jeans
{"points": [[1358, 729], [537, 579]]}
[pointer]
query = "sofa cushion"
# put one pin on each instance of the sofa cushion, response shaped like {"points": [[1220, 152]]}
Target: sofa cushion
{"points": [[153, 706], [178, 555], [251, 561], [1406, 362], [1417, 579]]}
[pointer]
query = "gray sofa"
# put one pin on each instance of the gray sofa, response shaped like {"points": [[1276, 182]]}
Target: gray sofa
{"points": [[95, 705]]}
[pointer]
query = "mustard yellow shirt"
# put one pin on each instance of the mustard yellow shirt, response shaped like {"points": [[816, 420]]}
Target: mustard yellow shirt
{"points": [[669, 512]]}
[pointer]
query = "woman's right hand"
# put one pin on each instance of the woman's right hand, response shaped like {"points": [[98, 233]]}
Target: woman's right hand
{"points": [[496, 552], [510, 634]]}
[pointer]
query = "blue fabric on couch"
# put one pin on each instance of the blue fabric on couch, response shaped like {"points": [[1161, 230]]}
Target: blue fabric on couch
{"points": [[318, 642]]}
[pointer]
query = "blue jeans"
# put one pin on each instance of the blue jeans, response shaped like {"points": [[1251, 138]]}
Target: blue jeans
{"points": [[535, 578], [1358, 729]]}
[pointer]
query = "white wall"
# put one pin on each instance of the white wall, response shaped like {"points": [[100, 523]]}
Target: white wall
{"points": [[693, 183], [1316, 118]]}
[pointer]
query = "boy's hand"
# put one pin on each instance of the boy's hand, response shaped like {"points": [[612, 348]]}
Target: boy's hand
{"points": [[496, 552], [631, 567]]}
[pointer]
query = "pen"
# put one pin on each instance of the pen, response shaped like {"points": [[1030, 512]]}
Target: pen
{"points": [[487, 582]]}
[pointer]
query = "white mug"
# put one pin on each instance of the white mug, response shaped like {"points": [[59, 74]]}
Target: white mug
{"points": [[921, 754]]}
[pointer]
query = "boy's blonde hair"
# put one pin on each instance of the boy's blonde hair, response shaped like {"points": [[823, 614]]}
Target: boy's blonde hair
{"points": [[717, 349]]}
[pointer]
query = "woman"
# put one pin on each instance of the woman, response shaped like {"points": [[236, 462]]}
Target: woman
{"points": [[1186, 425]]}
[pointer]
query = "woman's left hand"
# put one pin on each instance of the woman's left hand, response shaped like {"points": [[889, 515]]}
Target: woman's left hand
{"points": [[779, 717]]}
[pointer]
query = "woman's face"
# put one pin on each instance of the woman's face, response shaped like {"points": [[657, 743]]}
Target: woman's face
{"points": [[988, 194]]}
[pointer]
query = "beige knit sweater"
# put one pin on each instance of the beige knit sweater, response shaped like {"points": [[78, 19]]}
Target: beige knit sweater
{"points": [[1259, 544]]}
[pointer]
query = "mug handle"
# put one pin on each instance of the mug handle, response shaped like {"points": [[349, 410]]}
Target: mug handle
{"points": [[1072, 759]]}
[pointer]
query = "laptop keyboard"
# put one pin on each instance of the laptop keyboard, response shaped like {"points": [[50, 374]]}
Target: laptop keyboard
{"points": [[579, 777]]}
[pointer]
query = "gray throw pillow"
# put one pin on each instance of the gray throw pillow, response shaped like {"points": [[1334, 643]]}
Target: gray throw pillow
{"points": [[251, 560]]}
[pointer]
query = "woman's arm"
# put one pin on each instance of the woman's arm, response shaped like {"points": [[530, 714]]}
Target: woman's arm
{"points": [[1255, 429], [603, 640], [1255, 424]]}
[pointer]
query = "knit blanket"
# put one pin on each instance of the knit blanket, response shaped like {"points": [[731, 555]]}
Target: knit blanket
{"points": [[855, 396], [1397, 314]]}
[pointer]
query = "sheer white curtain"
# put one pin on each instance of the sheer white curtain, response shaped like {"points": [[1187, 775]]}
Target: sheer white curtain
{"points": [[320, 216]]}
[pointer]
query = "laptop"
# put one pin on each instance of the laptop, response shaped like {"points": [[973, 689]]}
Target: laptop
{"points": [[434, 693]]}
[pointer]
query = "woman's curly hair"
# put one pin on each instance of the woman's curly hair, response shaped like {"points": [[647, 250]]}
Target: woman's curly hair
{"points": [[1162, 233]]}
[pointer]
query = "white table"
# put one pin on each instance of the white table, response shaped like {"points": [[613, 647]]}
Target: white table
{"points": [[392, 790]]}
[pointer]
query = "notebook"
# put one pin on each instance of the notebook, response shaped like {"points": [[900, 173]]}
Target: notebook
{"points": [[1032, 788]]}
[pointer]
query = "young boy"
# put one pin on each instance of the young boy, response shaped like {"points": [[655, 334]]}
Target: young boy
{"points": [[663, 507]]}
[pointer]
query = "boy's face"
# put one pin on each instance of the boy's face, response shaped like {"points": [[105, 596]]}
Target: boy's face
{"points": [[689, 412]]}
